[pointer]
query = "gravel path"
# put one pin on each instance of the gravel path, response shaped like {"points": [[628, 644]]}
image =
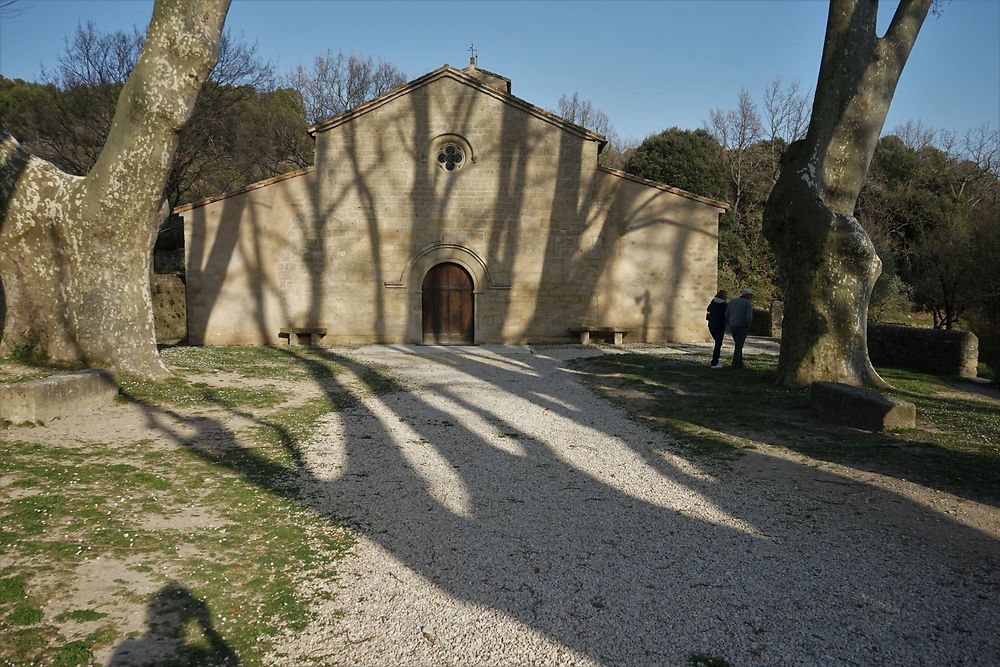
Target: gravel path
{"points": [[508, 515]]}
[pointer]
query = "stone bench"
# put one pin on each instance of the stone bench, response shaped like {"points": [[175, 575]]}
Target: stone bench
{"points": [[302, 336], [614, 335], [861, 408], [62, 395]]}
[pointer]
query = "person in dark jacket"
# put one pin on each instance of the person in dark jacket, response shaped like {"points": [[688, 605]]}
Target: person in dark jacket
{"points": [[739, 314], [716, 317]]}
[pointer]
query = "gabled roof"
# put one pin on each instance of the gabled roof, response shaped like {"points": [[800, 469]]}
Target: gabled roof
{"points": [[721, 205], [448, 72], [253, 186]]}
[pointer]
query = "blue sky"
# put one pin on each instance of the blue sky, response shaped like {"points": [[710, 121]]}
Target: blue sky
{"points": [[648, 65]]}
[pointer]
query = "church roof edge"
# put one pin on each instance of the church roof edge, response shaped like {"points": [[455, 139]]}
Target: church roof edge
{"points": [[724, 206], [477, 69], [253, 186], [467, 79]]}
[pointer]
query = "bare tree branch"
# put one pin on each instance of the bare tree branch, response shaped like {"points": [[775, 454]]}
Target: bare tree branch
{"points": [[337, 83]]}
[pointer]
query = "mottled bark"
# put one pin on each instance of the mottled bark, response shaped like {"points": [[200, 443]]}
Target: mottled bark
{"points": [[828, 263], [75, 251]]}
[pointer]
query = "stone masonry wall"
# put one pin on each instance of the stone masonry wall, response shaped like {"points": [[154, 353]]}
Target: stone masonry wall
{"points": [[550, 240]]}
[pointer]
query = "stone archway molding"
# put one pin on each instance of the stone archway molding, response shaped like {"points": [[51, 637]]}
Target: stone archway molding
{"points": [[437, 253]]}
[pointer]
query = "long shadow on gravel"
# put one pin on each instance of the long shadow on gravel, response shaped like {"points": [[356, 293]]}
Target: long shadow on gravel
{"points": [[540, 500], [949, 451]]}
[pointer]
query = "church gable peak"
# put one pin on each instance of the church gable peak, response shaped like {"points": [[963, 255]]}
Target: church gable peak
{"points": [[485, 81], [487, 78]]}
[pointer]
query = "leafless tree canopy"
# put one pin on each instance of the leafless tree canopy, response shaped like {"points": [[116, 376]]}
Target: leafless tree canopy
{"points": [[88, 77], [785, 119], [915, 135], [94, 58], [786, 111], [583, 112], [338, 82]]}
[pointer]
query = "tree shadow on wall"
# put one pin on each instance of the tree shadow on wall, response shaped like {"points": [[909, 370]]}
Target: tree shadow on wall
{"points": [[561, 232]]}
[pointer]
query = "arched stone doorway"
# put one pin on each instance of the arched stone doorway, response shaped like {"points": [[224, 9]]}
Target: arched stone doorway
{"points": [[447, 306]]}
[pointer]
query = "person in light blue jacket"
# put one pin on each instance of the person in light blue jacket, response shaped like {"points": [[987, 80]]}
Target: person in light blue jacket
{"points": [[739, 314]]}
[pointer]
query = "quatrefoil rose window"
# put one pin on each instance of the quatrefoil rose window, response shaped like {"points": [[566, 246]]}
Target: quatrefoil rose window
{"points": [[451, 157], [450, 152]]}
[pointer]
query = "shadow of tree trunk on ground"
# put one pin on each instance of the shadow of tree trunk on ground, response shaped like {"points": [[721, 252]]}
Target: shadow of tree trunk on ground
{"points": [[538, 502]]}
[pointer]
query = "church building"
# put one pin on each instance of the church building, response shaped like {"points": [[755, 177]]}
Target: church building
{"points": [[450, 211]]}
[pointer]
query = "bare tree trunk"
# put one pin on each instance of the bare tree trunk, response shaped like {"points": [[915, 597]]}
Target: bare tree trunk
{"points": [[828, 263], [75, 251]]}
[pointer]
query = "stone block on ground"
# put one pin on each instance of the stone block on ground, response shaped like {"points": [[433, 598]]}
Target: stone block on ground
{"points": [[55, 396], [861, 408]]}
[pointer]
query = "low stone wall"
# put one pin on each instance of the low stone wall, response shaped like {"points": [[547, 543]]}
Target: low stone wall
{"points": [[861, 408], [760, 325], [950, 352], [767, 321], [944, 351], [63, 395], [169, 308]]}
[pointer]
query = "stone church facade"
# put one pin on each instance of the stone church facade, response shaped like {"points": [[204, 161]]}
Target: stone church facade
{"points": [[450, 211]]}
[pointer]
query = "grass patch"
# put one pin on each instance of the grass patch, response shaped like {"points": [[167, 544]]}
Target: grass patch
{"points": [[27, 354], [24, 646], [81, 615], [283, 432], [21, 375], [376, 381], [956, 445], [272, 363], [12, 590], [25, 614], [985, 372], [230, 582], [73, 654], [181, 392], [241, 569]]}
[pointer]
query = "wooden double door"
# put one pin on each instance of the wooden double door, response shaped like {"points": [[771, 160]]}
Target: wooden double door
{"points": [[447, 306]]}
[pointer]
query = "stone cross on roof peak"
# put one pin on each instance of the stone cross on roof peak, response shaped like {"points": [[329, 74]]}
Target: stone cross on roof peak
{"points": [[472, 59]]}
